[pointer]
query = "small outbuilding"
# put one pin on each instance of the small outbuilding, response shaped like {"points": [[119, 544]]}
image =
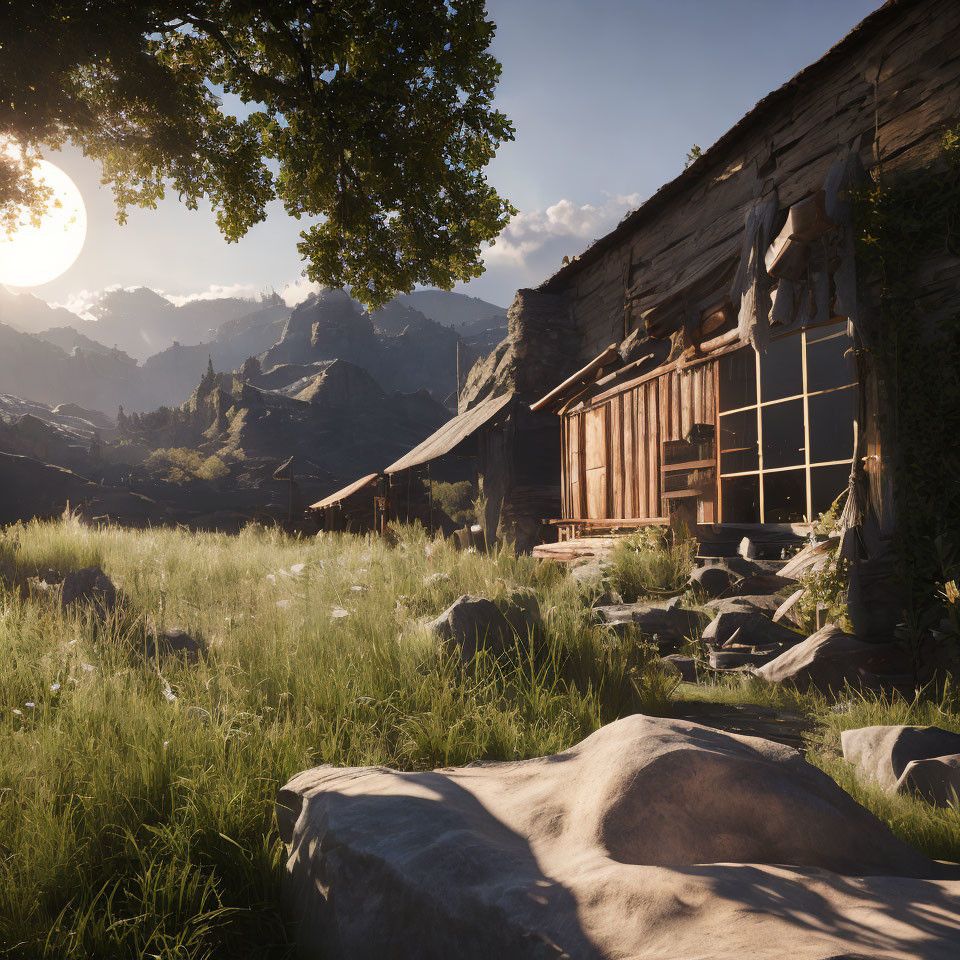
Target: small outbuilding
{"points": [[358, 507]]}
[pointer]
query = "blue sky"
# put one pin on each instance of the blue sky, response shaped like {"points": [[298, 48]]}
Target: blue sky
{"points": [[607, 97]]}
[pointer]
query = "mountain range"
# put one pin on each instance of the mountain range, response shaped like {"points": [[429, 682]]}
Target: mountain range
{"points": [[136, 349], [234, 388]]}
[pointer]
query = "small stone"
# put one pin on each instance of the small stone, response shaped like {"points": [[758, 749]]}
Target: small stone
{"points": [[89, 585]]}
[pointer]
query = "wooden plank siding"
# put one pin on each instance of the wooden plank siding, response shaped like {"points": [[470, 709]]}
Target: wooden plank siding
{"points": [[684, 245], [612, 448]]}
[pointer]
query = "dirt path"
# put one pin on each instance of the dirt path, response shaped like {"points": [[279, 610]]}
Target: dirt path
{"points": [[751, 719]]}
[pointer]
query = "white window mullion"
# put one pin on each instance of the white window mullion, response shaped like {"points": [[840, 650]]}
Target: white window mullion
{"points": [[756, 356]]}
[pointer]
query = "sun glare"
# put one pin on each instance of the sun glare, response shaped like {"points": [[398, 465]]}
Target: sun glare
{"points": [[33, 255]]}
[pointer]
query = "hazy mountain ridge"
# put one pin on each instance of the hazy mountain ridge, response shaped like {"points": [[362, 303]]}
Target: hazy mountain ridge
{"points": [[45, 359]]}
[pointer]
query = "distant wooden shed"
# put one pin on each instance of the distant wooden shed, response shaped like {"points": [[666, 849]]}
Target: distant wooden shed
{"points": [[358, 507]]}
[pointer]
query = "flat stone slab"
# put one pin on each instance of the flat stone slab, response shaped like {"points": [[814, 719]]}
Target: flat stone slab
{"points": [[767, 604], [653, 839]]}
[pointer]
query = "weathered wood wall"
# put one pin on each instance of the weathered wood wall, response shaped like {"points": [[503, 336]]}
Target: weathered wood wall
{"points": [[894, 86], [613, 444]]}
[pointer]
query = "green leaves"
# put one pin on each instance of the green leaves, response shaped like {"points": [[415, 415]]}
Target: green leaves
{"points": [[377, 118]]}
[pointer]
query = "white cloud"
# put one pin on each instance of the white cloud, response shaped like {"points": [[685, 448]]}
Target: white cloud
{"points": [[298, 290], [82, 302], [538, 239], [216, 291]]}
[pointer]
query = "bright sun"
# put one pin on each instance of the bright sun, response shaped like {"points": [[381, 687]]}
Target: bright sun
{"points": [[34, 255]]}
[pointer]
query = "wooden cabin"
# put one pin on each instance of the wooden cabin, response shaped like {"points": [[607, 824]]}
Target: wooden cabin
{"points": [[508, 467], [727, 375], [730, 436], [359, 507]]}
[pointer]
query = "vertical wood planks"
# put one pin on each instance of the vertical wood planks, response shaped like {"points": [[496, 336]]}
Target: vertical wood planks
{"points": [[612, 459]]}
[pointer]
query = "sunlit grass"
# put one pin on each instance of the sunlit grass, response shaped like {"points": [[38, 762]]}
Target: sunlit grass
{"points": [[136, 795]]}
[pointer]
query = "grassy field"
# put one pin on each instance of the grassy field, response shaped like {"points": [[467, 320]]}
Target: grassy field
{"points": [[136, 793]]}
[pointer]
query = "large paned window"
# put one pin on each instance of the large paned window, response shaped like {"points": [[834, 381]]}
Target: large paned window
{"points": [[785, 426]]}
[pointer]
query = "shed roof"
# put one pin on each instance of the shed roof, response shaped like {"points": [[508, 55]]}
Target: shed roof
{"points": [[452, 433], [850, 45], [348, 491]]}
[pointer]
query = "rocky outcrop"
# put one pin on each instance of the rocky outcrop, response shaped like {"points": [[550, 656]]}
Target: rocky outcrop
{"points": [[540, 349], [652, 839], [32, 488]]}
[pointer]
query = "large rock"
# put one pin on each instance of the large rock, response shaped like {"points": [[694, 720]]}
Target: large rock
{"points": [[471, 624], [652, 839], [89, 585], [830, 659], [713, 580], [522, 610], [881, 753], [936, 780], [671, 625], [748, 628], [765, 604]]}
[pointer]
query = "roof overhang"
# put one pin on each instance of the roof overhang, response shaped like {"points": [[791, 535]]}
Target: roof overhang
{"points": [[348, 491], [452, 433]]}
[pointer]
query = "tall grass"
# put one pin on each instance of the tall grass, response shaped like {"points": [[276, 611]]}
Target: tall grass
{"points": [[651, 562], [136, 793]]}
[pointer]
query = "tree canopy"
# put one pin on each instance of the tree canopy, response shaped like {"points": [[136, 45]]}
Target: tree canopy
{"points": [[374, 119]]}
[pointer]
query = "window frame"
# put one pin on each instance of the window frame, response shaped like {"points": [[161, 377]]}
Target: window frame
{"points": [[759, 405]]}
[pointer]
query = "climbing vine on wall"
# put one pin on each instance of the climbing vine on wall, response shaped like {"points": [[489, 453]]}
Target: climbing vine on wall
{"points": [[902, 223]]}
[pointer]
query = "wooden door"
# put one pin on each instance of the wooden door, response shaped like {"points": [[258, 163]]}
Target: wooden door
{"points": [[596, 460]]}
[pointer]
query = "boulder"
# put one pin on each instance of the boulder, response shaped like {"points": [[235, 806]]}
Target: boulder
{"points": [[765, 605], [175, 642], [523, 612], [588, 571], [471, 624], [750, 629], [88, 585], [670, 625], [649, 839], [685, 666], [830, 659], [881, 753], [936, 780], [714, 580]]}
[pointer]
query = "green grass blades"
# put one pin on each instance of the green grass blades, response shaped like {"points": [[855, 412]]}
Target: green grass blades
{"points": [[651, 562], [136, 794]]}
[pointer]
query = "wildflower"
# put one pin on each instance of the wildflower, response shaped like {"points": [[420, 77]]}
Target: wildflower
{"points": [[338, 613], [166, 743], [297, 568], [54, 687], [30, 704], [167, 691], [19, 713], [357, 589]]}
